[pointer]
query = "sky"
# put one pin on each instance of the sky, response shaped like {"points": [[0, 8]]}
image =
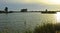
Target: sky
{"points": [[31, 5]]}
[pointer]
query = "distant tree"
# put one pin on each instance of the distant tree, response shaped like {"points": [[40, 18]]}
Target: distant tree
{"points": [[6, 9], [46, 10], [23, 10]]}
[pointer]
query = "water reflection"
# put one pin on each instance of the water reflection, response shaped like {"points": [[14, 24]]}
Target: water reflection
{"points": [[20, 21], [58, 17]]}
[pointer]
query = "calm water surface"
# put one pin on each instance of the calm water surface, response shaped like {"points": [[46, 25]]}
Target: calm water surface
{"points": [[19, 22]]}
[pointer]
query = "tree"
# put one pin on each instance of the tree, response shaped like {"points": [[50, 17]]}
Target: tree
{"points": [[6, 9], [46, 10]]}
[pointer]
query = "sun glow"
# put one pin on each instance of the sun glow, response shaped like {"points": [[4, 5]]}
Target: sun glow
{"points": [[53, 2], [58, 17]]}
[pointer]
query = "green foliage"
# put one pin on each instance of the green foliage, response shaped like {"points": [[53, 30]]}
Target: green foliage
{"points": [[28, 31], [46, 28]]}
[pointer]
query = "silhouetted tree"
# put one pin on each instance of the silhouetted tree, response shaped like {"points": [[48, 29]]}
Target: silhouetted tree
{"points": [[6, 9], [46, 10]]}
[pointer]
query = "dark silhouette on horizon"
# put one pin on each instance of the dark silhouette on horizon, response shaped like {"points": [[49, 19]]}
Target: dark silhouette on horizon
{"points": [[6, 9], [46, 11], [23, 10]]}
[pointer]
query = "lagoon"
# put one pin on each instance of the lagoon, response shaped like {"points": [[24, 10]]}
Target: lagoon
{"points": [[19, 22]]}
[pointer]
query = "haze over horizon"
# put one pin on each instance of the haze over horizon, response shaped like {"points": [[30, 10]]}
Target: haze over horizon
{"points": [[30, 4]]}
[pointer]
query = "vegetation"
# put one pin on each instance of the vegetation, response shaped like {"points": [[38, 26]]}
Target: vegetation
{"points": [[6, 9], [47, 28], [28, 31]]}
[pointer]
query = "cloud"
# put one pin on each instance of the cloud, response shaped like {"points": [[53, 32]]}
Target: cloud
{"points": [[30, 4], [47, 2]]}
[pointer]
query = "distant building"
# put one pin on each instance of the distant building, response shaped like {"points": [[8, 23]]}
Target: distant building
{"points": [[23, 10], [6, 9]]}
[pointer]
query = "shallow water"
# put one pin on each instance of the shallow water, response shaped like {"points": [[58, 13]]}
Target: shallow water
{"points": [[19, 22]]}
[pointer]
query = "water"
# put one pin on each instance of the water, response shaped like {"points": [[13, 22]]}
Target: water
{"points": [[19, 22]]}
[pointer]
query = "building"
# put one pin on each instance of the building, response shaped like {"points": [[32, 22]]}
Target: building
{"points": [[23, 10]]}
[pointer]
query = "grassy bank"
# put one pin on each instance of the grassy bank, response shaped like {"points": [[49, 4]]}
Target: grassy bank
{"points": [[46, 28]]}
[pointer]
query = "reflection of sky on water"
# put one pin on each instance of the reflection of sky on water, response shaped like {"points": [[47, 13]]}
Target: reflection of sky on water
{"points": [[58, 17], [16, 21]]}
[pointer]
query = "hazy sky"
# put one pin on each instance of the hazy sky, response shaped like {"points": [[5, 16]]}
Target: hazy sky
{"points": [[30, 4]]}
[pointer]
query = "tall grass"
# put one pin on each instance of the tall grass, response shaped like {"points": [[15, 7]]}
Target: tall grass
{"points": [[47, 28], [29, 31]]}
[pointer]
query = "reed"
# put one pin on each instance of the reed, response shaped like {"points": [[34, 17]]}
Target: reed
{"points": [[46, 28]]}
